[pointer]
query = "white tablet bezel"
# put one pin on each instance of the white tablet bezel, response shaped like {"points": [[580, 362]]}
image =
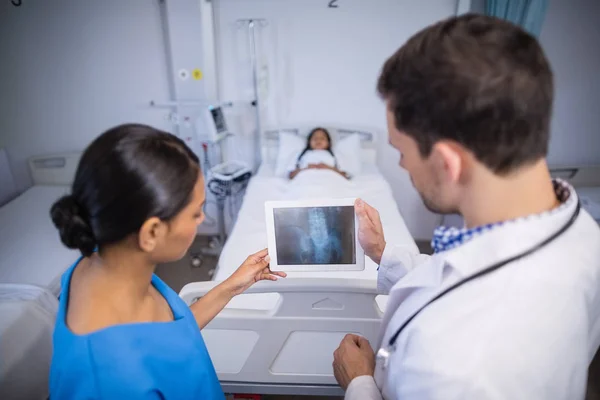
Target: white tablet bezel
{"points": [[270, 220]]}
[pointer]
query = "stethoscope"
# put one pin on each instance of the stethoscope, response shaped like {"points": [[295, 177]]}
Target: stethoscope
{"points": [[384, 353]]}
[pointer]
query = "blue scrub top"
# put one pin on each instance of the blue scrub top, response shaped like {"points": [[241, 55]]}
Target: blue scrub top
{"points": [[153, 360]]}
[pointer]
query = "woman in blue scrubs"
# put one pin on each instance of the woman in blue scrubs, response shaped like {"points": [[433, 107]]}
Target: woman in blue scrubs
{"points": [[122, 333]]}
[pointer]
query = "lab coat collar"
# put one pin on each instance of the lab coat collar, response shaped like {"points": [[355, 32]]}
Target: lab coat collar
{"points": [[500, 243], [488, 248], [481, 252], [509, 239]]}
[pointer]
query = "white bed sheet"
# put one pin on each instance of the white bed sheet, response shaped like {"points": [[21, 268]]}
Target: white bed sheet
{"points": [[30, 248], [249, 233]]}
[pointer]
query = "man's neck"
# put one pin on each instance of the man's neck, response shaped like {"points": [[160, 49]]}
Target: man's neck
{"points": [[492, 198]]}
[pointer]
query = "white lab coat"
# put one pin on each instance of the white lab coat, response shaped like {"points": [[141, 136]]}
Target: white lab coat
{"points": [[526, 331]]}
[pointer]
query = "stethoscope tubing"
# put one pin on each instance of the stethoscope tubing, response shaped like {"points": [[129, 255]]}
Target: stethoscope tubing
{"points": [[488, 270]]}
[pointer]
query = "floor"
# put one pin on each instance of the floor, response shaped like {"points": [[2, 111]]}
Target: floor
{"points": [[184, 271], [196, 267], [299, 398], [293, 397]]}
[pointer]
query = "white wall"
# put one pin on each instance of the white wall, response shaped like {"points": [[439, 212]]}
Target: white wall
{"points": [[71, 69], [571, 39], [323, 66], [89, 65], [7, 182]]}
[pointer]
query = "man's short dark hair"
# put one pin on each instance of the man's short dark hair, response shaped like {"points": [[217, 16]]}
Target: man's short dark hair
{"points": [[476, 80]]}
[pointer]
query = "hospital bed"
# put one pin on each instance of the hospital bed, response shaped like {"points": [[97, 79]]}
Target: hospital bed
{"points": [[32, 260], [279, 337]]}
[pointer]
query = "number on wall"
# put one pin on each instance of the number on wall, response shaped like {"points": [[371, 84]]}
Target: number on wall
{"points": [[332, 4], [16, 3]]}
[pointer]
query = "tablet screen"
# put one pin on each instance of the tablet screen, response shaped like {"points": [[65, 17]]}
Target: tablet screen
{"points": [[315, 235]]}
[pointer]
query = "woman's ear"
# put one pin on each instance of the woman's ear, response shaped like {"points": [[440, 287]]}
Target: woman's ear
{"points": [[151, 233]]}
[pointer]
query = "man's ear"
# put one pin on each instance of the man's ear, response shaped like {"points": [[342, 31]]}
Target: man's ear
{"points": [[450, 158], [151, 233]]}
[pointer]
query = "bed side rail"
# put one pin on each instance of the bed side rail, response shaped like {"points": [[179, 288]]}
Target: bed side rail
{"points": [[292, 342]]}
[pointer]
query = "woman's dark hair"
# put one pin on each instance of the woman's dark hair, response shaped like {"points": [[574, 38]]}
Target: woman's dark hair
{"points": [[307, 148], [128, 174]]}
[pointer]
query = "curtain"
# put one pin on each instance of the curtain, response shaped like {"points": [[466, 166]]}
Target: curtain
{"points": [[529, 14]]}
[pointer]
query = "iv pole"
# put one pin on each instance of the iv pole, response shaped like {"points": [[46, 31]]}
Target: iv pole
{"points": [[252, 36]]}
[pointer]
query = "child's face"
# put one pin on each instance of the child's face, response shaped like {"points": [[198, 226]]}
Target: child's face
{"points": [[319, 141]]}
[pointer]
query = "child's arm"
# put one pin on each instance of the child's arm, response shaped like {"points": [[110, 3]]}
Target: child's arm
{"points": [[342, 173]]}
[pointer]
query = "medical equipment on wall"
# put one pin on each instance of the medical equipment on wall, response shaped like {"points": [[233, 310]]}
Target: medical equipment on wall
{"points": [[384, 353], [253, 25], [210, 125], [208, 130], [206, 122], [225, 180]]}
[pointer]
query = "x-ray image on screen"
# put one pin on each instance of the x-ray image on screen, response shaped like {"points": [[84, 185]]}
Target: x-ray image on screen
{"points": [[315, 235]]}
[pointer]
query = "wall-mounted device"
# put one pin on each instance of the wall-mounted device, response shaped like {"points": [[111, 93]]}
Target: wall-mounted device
{"points": [[211, 125]]}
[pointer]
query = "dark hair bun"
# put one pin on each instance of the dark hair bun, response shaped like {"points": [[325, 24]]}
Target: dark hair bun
{"points": [[75, 231], [128, 174]]}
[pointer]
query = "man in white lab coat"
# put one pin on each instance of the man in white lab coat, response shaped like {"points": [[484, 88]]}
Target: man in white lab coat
{"points": [[509, 306]]}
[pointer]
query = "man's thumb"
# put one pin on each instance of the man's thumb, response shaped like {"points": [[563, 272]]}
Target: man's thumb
{"points": [[360, 210]]}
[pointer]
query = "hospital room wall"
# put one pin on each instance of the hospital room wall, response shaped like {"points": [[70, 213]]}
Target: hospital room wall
{"points": [[322, 65], [570, 37], [90, 65], [71, 69]]}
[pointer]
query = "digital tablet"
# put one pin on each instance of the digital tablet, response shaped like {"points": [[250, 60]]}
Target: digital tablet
{"points": [[313, 235]]}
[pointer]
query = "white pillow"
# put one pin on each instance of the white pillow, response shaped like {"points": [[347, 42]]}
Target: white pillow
{"points": [[348, 153], [290, 146]]}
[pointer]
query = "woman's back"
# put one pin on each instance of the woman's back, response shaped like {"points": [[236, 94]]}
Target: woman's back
{"points": [[133, 360]]}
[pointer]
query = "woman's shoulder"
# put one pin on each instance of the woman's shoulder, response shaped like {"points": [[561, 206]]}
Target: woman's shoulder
{"points": [[85, 309]]}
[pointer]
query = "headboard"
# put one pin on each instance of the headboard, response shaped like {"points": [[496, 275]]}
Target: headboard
{"points": [[54, 169], [369, 137]]}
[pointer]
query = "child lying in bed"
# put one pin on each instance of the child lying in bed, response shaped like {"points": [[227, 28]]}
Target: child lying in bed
{"points": [[317, 154]]}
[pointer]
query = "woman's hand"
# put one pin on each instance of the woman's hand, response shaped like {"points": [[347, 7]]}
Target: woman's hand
{"points": [[254, 269]]}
